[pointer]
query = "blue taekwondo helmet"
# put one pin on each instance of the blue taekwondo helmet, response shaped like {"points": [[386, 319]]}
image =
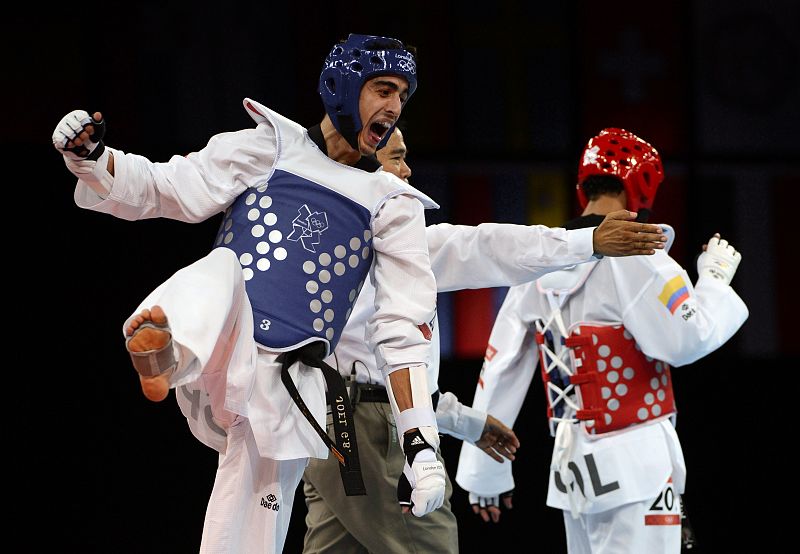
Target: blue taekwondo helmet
{"points": [[352, 63]]}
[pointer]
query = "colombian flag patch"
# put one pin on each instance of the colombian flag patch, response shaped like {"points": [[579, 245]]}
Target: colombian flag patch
{"points": [[674, 293]]}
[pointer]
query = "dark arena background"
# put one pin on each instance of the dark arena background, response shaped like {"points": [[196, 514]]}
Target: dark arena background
{"points": [[509, 92]]}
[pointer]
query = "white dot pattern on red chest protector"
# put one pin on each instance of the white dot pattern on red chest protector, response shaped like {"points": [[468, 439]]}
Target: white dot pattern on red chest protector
{"points": [[632, 387]]}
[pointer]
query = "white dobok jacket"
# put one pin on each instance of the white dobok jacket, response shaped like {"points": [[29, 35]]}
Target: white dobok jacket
{"points": [[466, 257], [670, 320], [202, 184]]}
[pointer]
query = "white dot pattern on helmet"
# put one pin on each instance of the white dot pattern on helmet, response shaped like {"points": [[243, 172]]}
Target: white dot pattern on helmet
{"points": [[642, 414], [324, 276], [280, 254], [326, 296], [262, 247], [367, 235], [262, 188], [329, 333], [265, 202], [270, 219], [352, 295], [253, 214], [328, 315], [228, 224], [355, 243], [365, 253], [340, 251], [247, 273], [353, 261], [604, 351], [251, 198], [263, 264], [275, 236], [246, 258], [612, 376], [325, 259], [315, 306], [228, 238], [339, 268], [309, 267], [257, 231], [312, 287], [616, 362], [621, 389], [318, 325]]}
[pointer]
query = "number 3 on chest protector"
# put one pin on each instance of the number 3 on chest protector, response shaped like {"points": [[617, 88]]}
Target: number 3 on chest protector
{"points": [[265, 323]]}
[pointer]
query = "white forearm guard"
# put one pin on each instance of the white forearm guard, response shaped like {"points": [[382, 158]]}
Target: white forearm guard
{"points": [[94, 173], [457, 420], [421, 414]]}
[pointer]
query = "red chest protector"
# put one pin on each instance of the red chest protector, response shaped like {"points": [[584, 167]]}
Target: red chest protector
{"points": [[614, 383]]}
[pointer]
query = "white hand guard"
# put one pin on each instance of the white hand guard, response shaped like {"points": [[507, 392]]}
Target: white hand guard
{"points": [[719, 261], [422, 484], [484, 501], [68, 129], [89, 161]]}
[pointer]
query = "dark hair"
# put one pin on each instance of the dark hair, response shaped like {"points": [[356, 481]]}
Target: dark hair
{"points": [[599, 185]]}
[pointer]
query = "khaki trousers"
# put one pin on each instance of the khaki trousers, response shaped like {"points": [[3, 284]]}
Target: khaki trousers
{"points": [[373, 523]]}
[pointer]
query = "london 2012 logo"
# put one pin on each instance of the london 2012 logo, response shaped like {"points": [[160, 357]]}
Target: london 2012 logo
{"points": [[270, 502], [308, 226]]}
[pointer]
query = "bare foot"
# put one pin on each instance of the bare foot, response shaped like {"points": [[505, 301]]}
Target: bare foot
{"points": [[154, 388]]}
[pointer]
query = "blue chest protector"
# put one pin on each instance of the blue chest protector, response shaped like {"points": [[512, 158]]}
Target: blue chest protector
{"points": [[305, 251]]}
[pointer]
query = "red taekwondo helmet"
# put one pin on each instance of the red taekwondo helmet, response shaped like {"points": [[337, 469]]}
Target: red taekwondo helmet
{"points": [[352, 63], [622, 154]]}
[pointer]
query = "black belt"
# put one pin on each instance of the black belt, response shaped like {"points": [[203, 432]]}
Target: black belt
{"points": [[345, 449], [362, 392]]}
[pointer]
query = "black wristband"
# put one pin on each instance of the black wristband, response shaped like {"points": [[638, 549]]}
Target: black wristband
{"points": [[412, 443]]}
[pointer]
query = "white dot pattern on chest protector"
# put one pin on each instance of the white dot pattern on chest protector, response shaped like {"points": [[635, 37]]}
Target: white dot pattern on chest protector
{"points": [[258, 230], [612, 389], [263, 218], [328, 277]]}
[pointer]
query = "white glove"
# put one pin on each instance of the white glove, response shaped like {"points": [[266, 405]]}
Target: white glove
{"points": [[719, 260], [422, 484], [70, 128], [489, 506], [89, 161]]}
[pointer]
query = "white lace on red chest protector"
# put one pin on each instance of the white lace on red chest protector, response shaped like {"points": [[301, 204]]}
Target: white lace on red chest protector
{"points": [[597, 375]]}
